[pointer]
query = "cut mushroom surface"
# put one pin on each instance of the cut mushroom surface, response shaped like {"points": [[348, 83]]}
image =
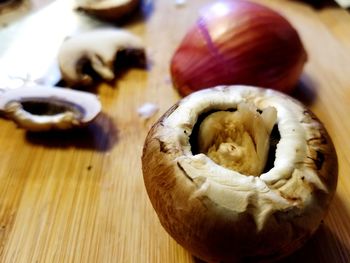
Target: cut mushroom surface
{"points": [[206, 171], [96, 52], [41, 108]]}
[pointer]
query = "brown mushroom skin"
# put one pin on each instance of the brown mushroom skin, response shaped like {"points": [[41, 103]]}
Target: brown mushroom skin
{"points": [[214, 233], [112, 13]]}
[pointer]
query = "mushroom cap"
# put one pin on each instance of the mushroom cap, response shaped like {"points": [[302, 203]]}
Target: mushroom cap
{"points": [[41, 108], [223, 215], [111, 10]]}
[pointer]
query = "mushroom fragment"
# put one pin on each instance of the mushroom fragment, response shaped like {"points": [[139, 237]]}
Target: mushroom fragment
{"points": [[9, 5], [239, 173], [84, 56], [147, 110], [111, 10], [41, 108]]}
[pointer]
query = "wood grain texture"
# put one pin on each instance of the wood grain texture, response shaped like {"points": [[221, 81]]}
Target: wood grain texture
{"points": [[78, 196]]}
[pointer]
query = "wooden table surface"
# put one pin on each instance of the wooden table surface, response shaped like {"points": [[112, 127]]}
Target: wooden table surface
{"points": [[78, 196]]}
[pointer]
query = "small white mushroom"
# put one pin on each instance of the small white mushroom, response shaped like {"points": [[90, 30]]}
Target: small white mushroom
{"points": [[111, 10], [42, 108], [96, 52]]}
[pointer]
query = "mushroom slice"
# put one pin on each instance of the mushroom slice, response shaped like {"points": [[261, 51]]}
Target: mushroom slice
{"points": [[97, 52], [41, 108], [239, 173], [110, 10]]}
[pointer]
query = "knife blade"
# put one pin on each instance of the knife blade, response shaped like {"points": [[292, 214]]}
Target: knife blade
{"points": [[28, 60], [29, 47]]}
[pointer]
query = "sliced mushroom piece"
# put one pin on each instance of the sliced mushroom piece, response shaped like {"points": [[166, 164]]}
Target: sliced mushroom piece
{"points": [[206, 167], [97, 52], [111, 10], [9, 5], [41, 108]]}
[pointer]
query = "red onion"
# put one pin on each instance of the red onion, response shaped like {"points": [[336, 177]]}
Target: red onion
{"points": [[238, 42]]}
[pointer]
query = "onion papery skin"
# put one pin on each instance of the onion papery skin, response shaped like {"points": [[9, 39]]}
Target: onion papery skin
{"points": [[238, 42]]}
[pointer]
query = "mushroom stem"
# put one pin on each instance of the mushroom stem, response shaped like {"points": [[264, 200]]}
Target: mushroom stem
{"points": [[238, 140]]}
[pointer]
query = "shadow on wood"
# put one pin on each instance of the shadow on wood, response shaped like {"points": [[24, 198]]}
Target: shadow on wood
{"points": [[100, 135], [305, 91], [323, 247], [326, 244], [319, 4]]}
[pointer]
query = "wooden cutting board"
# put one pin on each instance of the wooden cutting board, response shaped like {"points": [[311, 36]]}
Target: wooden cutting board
{"points": [[79, 196]]}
